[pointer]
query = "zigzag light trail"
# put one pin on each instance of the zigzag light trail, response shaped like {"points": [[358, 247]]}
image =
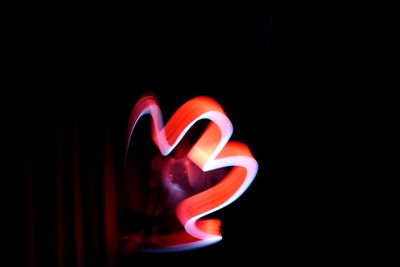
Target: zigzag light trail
{"points": [[213, 150]]}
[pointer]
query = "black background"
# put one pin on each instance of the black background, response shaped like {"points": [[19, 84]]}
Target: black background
{"points": [[314, 106]]}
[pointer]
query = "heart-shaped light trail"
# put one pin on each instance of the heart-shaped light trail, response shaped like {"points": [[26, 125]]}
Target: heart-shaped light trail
{"points": [[212, 150]]}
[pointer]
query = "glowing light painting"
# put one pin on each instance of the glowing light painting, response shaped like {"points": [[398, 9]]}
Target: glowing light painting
{"points": [[213, 150]]}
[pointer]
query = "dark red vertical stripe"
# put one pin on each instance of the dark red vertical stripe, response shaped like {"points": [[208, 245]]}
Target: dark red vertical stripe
{"points": [[110, 206], [76, 188], [93, 220], [59, 206], [30, 214]]}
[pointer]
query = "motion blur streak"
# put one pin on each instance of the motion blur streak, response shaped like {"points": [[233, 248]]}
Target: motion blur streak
{"points": [[211, 151]]}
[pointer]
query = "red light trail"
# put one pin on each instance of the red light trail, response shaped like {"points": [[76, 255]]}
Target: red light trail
{"points": [[211, 151]]}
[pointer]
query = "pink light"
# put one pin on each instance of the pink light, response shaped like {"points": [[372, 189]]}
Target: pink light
{"points": [[213, 150]]}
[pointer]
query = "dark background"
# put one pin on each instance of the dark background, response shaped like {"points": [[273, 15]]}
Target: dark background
{"points": [[327, 146]]}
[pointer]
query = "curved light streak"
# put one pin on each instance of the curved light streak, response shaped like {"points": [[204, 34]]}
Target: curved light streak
{"points": [[211, 151]]}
